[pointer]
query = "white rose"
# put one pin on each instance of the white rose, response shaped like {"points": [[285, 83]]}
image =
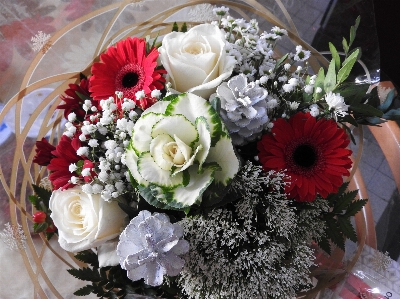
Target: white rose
{"points": [[196, 61], [84, 220]]}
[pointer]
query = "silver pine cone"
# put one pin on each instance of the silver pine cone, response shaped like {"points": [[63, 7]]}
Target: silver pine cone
{"points": [[243, 109]]}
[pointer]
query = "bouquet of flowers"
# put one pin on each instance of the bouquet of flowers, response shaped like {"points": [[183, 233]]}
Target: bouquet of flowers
{"points": [[201, 164]]}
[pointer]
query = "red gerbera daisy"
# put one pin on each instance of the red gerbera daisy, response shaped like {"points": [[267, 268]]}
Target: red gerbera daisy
{"points": [[74, 98], [313, 152], [128, 69], [43, 152], [65, 155]]}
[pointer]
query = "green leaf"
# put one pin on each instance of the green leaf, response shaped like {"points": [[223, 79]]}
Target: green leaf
{"points": [[347, 228], [319, 82], [335, 56], [349, 119], [43, 194], [334, 232], [84, 291], [347, 66], [344, 201], [85, 274], [88, 257], [175, 27], [357, 22], [40, 227], [36, 202], [353, 30], [359, 54], [355, 206], [352, 35], [352, 93], [345, 46], [371, 121], [330, 79], [280, 61], [325, 245], [366, 110], [184, 27]]}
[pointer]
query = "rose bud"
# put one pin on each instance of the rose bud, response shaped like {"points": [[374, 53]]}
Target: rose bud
{"points": [[39, 217]]}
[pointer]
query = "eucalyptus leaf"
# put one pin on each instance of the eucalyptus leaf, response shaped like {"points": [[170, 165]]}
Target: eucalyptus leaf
{"points": [[366, 110], [352, 93], [347, 66], [335, 56], [281, 60], [330, 79], [371, 121], [345, 46]]}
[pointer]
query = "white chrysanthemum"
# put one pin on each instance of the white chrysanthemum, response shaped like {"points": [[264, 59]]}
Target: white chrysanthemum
{"points": [[150, 246], [301, 55], [336, 102], [279, 31]]}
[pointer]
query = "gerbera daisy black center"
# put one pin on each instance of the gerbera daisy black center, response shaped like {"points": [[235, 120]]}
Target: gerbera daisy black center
{"points": [[130, 79], [305, 155]]}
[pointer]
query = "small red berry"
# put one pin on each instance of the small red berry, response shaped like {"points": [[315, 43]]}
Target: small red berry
{"points": [[39, 217]]}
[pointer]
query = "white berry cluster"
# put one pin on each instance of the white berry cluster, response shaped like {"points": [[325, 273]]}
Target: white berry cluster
{"points": [[104, 136]]}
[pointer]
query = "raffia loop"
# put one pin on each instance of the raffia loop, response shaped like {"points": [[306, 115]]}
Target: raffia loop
{"points": [[24, 173]]}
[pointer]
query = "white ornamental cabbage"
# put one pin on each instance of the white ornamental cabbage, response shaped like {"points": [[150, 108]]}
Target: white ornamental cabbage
{"points": [[150, 246], [178, 148]]}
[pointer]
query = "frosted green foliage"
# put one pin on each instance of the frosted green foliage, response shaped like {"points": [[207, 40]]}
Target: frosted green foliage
{"points": [[254, 248]]}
